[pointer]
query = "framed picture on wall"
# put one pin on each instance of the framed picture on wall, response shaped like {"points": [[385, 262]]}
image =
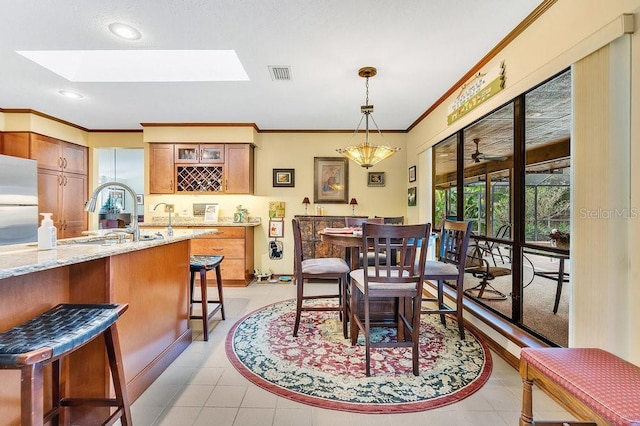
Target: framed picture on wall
{"points": [[412, 174], [330, 180], [375, 179], [276, 228], [411, 196], [139, 199], [284, 178]]}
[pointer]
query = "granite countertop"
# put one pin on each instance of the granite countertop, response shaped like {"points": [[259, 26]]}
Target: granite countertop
{"points": [[197, 222], [21, 259]]}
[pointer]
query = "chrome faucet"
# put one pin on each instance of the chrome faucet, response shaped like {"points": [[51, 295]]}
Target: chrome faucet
{"points": [[168, 207], [90, 205]]}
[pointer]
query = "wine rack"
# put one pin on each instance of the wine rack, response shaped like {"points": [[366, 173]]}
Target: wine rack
{"points": [[199, 179]]}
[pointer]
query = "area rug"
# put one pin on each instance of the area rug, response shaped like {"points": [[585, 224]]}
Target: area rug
{"points": [[322, 369]]}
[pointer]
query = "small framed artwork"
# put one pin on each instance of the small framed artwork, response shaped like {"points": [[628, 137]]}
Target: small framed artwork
{"points": [[411, 196], [276, 228], [284, 178], [412, 174], [330, 180], [139, 199], [375, 179], [117, 197]]}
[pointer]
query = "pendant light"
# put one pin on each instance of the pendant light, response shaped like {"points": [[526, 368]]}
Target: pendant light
{"points": [[367, 154]]}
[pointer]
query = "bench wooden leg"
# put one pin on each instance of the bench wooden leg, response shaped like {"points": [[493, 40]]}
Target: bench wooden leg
{"points": [[32, 395], [526, 418]]}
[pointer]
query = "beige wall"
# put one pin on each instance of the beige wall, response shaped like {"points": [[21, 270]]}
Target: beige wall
{"points": [[295, 151], [605, 282], [569, 31]]}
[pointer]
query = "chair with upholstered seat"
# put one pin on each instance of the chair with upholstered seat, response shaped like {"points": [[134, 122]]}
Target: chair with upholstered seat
{"points": [[449, 266], [201, 264], [318, 268], [400, 282]]}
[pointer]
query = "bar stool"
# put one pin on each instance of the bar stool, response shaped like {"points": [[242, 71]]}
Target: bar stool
{"points": [[49, 337], [203, 264]]}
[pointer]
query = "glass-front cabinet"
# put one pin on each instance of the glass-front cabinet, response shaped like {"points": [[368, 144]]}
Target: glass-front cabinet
{"points": [[199, 153]]}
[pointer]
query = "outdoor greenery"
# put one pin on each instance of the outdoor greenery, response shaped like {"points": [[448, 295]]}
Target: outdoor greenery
{"points": [[547, 208]]}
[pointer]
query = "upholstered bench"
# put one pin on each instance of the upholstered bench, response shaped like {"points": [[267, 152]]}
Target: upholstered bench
{"points": [[49, 337], [595, 385], [202, 264]]}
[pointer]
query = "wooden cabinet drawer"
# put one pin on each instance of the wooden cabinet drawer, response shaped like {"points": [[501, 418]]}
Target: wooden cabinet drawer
{"points": [[230, 269], [225, 232], [229, 248]]}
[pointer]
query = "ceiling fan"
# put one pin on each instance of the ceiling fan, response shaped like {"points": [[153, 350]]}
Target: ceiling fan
{"points": [[477, 156]]}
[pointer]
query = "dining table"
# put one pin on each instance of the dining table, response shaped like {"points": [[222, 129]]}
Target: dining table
{"points": [[382, 309]]}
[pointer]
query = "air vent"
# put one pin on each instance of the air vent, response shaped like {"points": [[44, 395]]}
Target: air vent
{"points": [[280, 73]]}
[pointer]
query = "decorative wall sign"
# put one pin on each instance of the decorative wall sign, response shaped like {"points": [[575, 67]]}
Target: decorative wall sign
{"points": [[375, 179], [330, 180], [411, 196], [284, 178], [478, 89], [412, 174]]}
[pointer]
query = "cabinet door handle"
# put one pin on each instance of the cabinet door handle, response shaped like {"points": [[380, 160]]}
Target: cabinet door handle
{"points": [[64, 163], [60, 180], [60, 162], [64, 179]]}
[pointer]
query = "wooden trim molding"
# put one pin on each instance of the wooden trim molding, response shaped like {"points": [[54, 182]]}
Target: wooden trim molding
{"points": [[533, 16]]}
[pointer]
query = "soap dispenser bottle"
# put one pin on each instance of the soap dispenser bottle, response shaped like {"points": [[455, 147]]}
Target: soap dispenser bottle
{"points": [[47, 233]]}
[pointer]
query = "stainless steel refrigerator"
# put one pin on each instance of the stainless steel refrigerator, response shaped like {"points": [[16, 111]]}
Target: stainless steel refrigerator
{"points": [[18, 200]]}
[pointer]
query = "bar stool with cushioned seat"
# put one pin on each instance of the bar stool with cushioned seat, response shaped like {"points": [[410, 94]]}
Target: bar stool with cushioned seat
{"points": [[53, 335], [202, 264]]}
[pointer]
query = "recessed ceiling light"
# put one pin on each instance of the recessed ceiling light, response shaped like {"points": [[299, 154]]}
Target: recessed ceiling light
{"points": [[141, 65], [69, 94], [125, 31]]}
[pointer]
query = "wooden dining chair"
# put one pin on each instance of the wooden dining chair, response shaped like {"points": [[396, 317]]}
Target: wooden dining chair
{"points": [[357, 222], [449, 266], [400, 282], [318, 268]]}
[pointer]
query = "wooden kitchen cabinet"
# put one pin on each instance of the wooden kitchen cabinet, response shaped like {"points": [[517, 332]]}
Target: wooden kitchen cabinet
{"points": [[208, 153], [62, 183], [16, 144], [235, 243], [59, 193], [201, 168], [239, 169], [161, 169], [54, 154]]}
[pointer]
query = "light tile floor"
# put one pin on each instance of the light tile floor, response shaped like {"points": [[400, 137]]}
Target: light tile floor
{"points": [[202, 387]]}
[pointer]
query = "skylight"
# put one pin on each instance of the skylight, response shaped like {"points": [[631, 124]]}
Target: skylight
{"points": [[141, 65]]}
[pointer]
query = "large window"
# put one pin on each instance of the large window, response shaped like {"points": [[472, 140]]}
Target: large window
{"points": [[516, 171]]}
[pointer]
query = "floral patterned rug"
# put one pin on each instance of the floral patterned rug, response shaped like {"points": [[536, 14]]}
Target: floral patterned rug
{"points": [[322, 369]]}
